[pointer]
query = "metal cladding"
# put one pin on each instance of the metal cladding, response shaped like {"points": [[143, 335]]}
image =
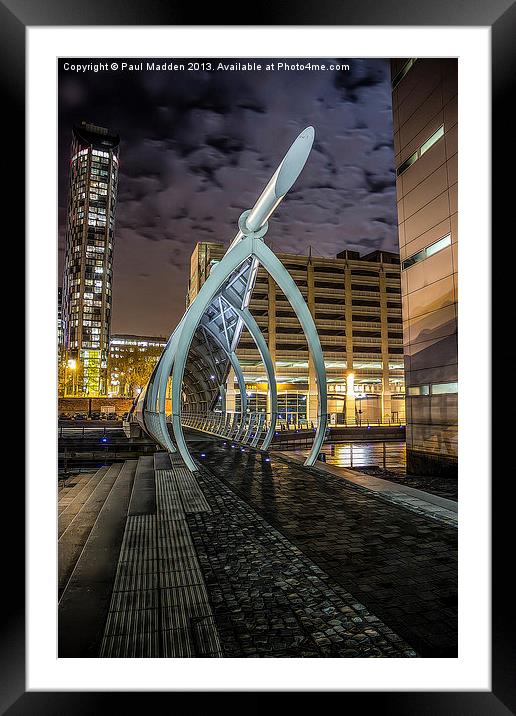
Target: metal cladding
{"points": [[189, 380]]}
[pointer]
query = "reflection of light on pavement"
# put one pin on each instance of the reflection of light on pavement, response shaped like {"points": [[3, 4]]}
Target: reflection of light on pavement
{"points": [[360, 454]]}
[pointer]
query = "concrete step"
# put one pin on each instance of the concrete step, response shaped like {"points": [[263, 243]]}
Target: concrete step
{"points": [[68, 494], [84, 604], [73, 537], [72, 483], [143, 497], [159, 606], [76, 501]]}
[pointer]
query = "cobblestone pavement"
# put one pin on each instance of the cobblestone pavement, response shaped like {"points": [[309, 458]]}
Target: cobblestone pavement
{"points": [[270, 600], [400, 566]]}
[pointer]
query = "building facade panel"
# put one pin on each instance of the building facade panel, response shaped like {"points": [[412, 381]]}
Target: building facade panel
{"points": [[429, 271], [425, 130], [438, 324], [430, 298], [432, 213]]}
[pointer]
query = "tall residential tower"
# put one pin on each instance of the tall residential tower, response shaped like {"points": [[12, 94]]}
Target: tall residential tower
{"points": [[88, 271]]}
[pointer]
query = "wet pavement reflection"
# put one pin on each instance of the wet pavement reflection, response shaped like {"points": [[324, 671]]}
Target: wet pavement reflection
{"points": [[401, 566], [390, 455]]}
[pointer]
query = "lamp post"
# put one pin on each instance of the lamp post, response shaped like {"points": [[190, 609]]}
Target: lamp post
{"points": [[71, 365], [350, 398]]}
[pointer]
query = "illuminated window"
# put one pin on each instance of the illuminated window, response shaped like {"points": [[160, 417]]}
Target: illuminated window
{"points": [[401, 74], [426, 252], [441, 244], [438, 134], [432, 140], [419, 390], [441, 388], [406, 164]]}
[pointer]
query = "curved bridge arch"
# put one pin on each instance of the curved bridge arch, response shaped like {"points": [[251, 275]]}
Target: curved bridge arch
{"points": [[210, 330]]}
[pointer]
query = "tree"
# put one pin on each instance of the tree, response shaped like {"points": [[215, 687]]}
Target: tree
{"points": [[132, 370]]}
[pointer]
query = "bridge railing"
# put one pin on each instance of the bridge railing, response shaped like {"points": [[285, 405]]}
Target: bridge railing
{"points": [[249, 429]]}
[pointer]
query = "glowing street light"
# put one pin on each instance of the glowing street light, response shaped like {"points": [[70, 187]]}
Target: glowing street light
{"points": [[71, 365], [350, 385]]}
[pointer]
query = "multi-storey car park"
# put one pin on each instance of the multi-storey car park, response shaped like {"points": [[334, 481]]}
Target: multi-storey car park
{"points": [[356, 303]]}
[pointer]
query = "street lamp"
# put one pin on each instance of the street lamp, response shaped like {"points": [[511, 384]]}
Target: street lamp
{"points": [[350, 385], [71, 365], [350, 397]]}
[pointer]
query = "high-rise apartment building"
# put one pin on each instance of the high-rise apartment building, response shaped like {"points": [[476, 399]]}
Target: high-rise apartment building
{"points": [[60, 333], [88, 272], [424, 102], [356, 303]]}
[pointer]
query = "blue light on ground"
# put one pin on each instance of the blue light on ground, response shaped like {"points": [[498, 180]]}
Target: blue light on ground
{"points": [[203, 454], [103, 440]]}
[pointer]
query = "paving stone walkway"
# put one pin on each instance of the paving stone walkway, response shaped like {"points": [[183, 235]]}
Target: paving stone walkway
{"points": [[400, 566], [271, 600]]}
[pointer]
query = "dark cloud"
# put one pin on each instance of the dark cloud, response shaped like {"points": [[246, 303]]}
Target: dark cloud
{"points": [[366, 73], [377, 182], [196, 150]]}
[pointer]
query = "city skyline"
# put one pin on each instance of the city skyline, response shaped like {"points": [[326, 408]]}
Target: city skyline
{"points": [[195, 148]]}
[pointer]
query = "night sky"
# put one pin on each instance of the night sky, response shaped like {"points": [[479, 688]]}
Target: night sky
{"points": [[197, 148]]}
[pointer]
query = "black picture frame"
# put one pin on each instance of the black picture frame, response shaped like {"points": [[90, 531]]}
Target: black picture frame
{"points": [[15, 16]]}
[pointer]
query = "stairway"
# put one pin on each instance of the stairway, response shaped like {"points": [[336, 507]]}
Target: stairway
{"points": [[129, 579], [86, 593]]}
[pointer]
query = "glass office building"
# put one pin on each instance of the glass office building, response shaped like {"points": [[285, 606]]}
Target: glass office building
{"points": [[424, 103]]}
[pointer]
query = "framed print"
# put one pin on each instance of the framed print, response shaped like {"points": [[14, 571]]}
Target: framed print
{"points": [[246, 436]]}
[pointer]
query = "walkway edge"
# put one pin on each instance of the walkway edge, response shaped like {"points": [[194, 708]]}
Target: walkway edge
{"points": [[403, 496]]}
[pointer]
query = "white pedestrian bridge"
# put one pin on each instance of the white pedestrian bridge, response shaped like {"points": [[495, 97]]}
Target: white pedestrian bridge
{"points": [[188, 385]]}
